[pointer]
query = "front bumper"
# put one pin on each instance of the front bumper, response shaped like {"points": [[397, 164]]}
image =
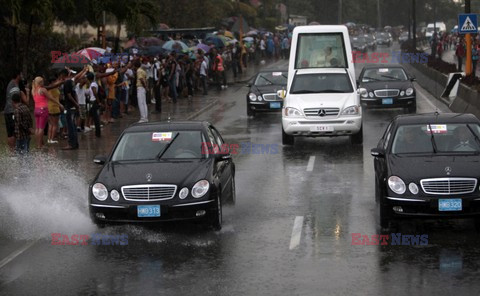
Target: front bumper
{"points": [[427, 207], [128, 212], [397, 102], [273, 106], [312, 127]]}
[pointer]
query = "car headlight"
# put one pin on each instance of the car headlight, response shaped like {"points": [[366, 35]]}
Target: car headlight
{"points": [[370, 94], [115, 195], [352, 110], [99, 191], [292, 112], [252, 96], [409, 91], [413, 188], [402, 93], [200, 188], [397, 185], [183, 193]]}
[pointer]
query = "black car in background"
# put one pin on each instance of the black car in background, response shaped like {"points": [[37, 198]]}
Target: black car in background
{"points": [[359, 43], [371, 41], [387, 86], [164, 171], [262, 95], [384, 38], [428, 166]]}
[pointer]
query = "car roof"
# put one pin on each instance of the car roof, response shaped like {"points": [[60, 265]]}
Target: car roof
{"points": [[166, 125], [436, 118]]}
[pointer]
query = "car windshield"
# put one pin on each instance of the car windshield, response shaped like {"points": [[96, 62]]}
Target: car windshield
{"points": [[159, 145], [437, 138], [271, 78], [320, 50], [321, 83], [384, 74]]}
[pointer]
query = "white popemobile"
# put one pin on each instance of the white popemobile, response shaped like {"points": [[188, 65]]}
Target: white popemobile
{"points": [[321, 99]]}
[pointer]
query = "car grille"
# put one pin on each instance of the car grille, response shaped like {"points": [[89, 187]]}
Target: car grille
{"points": [[271, 97], [314, 112], [148, 192], [383, 93], [444, 186]]}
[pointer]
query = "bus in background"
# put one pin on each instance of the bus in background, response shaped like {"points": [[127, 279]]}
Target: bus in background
{"points": [[321, 99]]}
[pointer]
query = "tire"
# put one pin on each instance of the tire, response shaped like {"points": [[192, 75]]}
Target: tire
{"points": [[233, 195], [357, 139], [99, 224], [413, 108], [217, 217], [287, 139], [250, 112]]}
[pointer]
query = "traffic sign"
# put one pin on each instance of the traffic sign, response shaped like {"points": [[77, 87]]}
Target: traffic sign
{"points": [[467, 23]]}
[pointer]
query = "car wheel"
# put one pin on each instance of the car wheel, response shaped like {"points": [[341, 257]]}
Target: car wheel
{"points": [[217, 216], [412, 108], [287, 139], [250, 112], [357, 138]]}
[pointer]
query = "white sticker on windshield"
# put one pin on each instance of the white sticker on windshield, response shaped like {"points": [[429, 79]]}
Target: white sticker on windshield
{"points": [[437, 128], [159, 137], [277, 74], [383, 70]]}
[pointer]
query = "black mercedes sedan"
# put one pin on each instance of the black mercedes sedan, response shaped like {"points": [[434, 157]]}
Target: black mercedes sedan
{"points": [[262, 95], [387, 86], [428, 165], [164, 171]]}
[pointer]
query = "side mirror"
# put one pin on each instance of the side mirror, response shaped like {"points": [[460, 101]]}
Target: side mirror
{"points": [[100, 159], [282, 93], [377, 152], [362, 92], [412, 78]]}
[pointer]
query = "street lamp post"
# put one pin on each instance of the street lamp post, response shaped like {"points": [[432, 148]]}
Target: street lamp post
{"points": [[468, 42]]}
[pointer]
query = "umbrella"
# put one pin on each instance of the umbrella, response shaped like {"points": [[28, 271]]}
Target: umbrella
{"points": [[215, 40], [175, 45], [153, 50], [73, 60], [233, 41], [248, 39], [92, 52], [150, 41], [203, 47], [228, 34], [252, 33]]}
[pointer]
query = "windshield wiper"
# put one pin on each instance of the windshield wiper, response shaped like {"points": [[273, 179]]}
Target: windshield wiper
{"points": [[160, 154], [267, 80], [434, 144], [331, 91], [474, 134], [391, 77], [304, 91], [371, 78]]}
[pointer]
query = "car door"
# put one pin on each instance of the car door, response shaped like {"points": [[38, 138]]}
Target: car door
{"points": [[226, 165]]}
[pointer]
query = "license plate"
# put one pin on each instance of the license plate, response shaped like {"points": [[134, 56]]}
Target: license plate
{"points": [[148, 211], [450, 204], [275, 105], [321, 128], [388, 101]]}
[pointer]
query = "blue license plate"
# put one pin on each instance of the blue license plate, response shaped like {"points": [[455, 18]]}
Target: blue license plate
{"points": [[454, 204], [275, 105], [388, 101], [148, 211]]}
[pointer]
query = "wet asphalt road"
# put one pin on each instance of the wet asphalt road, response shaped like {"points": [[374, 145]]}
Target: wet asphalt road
{"points": [[289, 233]]}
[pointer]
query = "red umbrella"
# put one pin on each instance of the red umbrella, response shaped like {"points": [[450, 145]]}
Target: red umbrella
{"points": [[92, 52]]}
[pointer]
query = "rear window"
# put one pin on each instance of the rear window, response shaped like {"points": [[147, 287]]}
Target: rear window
{"points": [[320, 50]]}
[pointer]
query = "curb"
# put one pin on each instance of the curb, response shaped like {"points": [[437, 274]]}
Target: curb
{"points": [[197, 113]]}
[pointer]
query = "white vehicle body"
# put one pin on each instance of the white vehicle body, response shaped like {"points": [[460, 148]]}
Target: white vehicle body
{"points": [[440, 28], [328, 111]]}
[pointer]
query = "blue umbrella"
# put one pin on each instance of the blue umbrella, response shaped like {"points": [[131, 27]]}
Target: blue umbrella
{"points": [[215, 41], [174, 45]]}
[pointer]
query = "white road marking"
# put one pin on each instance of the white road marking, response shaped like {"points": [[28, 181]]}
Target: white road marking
{"points": [[296, 232], [16, 253], [311, 163]]}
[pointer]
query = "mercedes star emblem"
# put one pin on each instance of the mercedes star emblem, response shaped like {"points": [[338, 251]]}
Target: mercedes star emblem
{"points": [[321, 112], [149, 177], [448, 170]]}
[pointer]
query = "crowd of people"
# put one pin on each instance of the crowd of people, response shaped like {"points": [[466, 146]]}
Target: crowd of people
{"points": [[79, 101]]}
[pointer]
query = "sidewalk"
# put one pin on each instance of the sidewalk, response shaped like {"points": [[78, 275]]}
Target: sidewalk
{"points": [[184, 109], [449, 57]]}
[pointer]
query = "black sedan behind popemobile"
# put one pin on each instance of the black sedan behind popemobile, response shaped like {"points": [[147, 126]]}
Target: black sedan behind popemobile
{"points": [[262, 95], [428, 166], [164, 171]]}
